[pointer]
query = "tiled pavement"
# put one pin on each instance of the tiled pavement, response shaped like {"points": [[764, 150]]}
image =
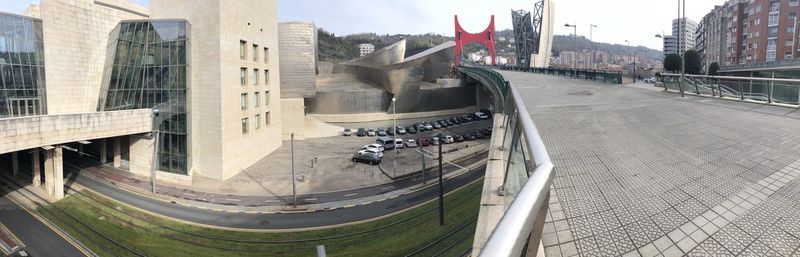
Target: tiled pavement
{"points": [[647, 173]]}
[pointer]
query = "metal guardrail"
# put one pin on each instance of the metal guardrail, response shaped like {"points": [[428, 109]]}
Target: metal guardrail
{"points": [[784, 92], [612, 77], [529, 185]]}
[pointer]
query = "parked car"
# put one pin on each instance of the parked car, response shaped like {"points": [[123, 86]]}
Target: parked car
{"points": [[424, 141], [382, 133], [371, 151], [651, 80], [371, 132], [347, 132], [469, 137], [478, 134], [481, 115], [436, 125], [428, 126], [401, 130], [377, 147], [398, 143], [411, 143], [458, 138], [411, 130], [448, 139], [386, 142], [487, 112], [390, 131], [361, 132], [367, 158]]}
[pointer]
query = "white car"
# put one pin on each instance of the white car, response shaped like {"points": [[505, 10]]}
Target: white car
{"points": [[376, 147], [398, 143], [372, 152], [411, 143], [448, 139], [649, 80], [481, 115]]}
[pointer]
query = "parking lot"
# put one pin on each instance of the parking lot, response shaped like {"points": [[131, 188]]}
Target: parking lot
{"points": [[325, 164]]}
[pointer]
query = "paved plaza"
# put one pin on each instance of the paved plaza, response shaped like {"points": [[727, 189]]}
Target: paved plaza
{"points": [[642, 172]]}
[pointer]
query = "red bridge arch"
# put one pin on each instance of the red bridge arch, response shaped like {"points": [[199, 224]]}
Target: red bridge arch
{"points": [[486, 38]]}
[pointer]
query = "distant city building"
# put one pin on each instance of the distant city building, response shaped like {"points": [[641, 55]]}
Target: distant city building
{"points": [[365, 49], [670, 45], [684, 29], [751, 36]]}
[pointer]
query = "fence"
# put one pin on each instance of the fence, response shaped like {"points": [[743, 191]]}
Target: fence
{"points": [[765, 90], [612, 77]]}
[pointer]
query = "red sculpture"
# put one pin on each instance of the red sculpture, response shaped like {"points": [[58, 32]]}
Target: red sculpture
{"points": [[486, 38]]}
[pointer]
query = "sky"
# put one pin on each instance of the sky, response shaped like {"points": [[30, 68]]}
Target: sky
{"points": [[637, 21]]}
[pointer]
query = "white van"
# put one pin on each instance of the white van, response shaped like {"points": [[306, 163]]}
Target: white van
{"points": [[398, 143]]}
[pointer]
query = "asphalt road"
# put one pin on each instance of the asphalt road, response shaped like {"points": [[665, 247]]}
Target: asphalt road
{"points": [[91, 166], [39, 239], [280, 220]]}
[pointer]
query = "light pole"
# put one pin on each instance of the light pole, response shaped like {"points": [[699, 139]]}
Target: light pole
{"points": [[155, 132], [394, 136], [591, 41], [294, 193], [574, 34], [441, 189]]}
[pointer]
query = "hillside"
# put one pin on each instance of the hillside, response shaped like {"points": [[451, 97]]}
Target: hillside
{"points": [[339, 48]]}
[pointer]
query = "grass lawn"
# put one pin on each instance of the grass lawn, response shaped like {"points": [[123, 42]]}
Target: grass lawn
{"points": [[117, 230]]}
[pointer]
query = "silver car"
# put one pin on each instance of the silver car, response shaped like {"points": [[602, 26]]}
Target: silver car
{"points": [[411, 143]]}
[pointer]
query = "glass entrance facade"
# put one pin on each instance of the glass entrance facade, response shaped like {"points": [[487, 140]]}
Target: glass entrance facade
{"points": [[22, 83], [148, 67]]}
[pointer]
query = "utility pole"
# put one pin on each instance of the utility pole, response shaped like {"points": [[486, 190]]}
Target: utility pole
{"points": [[441, 189], [422, 155], [294, 192], [394, 137]]}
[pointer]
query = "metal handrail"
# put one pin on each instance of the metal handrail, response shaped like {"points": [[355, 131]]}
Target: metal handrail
{"points": [[731, 77], [514, 229]]}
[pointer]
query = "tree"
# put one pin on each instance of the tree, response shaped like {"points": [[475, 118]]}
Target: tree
{"points": [[713, 69], [693, 65], [672, 63]]}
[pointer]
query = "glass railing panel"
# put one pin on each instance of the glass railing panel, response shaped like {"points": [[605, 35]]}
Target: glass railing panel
{"points": [[755, 90], [517, 167], [786, 93]]}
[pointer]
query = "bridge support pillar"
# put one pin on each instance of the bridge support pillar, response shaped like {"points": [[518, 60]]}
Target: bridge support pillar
{"points": [[37, 169], [15, 164], [117, 153], [54, 172], [103, 151]]}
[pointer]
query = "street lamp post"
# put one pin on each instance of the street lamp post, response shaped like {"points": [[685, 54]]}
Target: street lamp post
{"points": [[394, 136], [294, 192], [591, 41], [574, 34], [634, 63], [441, 188]]}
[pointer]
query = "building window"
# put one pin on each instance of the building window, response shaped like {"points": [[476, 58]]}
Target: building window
{"points": [[789, 29], [266, 54], [244, 126], [266, 100], [256, 99], [255, 53], [244, 101], [793, 2], [243, 76], [773, 19], [787, 55], [266, 118], [258, 121], [266, 77], [255, 77], [788, 43], [243, 50]]}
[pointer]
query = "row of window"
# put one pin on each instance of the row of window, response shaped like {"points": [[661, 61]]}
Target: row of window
{"points": [[243, 52], [256, 100], [255, 77], [257, 121]]}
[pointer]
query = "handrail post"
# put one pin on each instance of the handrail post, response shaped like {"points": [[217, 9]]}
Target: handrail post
{"points": [[770, 88], [741, 90], [696, 87], [680, 85]]}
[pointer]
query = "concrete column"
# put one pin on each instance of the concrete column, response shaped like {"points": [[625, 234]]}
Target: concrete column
{"points": [[49, 172], [103, 151], [117, 153], [58, 172], [37, 170], [15, 164]]}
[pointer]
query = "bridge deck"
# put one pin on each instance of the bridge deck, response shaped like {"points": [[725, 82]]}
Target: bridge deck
{"points": [[645, 172]]}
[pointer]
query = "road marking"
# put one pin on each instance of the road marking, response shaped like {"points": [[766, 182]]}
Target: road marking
{"points": [[233, 200], [311, 199], [349, 195], [389, 187], [271, 201], [190, 194]]}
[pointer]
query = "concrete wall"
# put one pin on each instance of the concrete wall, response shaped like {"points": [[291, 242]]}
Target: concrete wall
{"points": [[293, 110], [219, 149], [75, 35], [30, 132], [298, 58]]}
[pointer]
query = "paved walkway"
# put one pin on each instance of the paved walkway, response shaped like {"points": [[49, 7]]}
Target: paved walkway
{"points": [[643, 172]]}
